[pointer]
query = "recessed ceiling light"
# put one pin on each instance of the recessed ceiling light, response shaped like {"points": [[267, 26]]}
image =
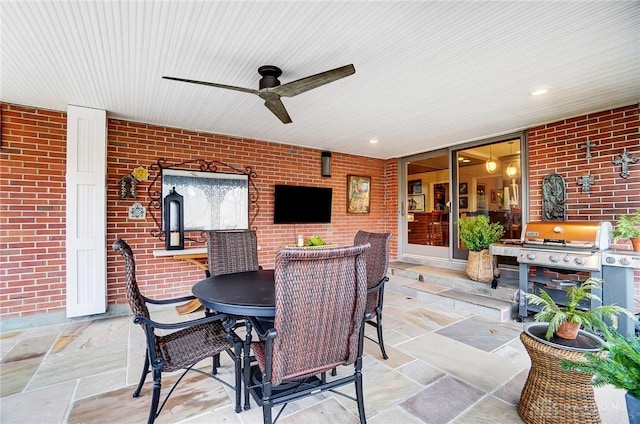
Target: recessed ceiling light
{"points": [[373, 141], [466, 160], [539, 92], [460, 158]]}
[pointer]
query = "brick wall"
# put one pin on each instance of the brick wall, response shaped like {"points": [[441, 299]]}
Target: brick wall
{"points": [[555, 148], [32, 190], [32, 194]]}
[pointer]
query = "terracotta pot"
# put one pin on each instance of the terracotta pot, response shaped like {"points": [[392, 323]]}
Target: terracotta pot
{"points": [[635, 242], [568, 330]]}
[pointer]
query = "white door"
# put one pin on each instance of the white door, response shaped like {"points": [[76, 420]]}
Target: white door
{"points": [[86, 211]]}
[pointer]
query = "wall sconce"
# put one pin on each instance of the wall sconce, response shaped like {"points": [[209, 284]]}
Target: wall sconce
{"points": [[326, 164], [491, 164], [174, 220]]}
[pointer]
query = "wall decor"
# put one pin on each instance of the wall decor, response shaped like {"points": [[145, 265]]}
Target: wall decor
{"points": [[463, 202], [140, 173], [358, 194], [494, 196], [199, 176], [463, 189], [625, 160], [128, 187], [137, 211], [553, 198], [415, 187], [588, 145], [586, 182], [415, 203]]}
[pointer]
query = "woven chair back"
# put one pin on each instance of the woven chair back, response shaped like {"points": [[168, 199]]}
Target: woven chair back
{"points": [[134, 297], [320, 301], [231, 251], [377, 261]]}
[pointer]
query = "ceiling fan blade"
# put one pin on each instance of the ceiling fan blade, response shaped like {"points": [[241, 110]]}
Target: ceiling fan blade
{"points": [[296, 87], [274, 104], [213, 84]]}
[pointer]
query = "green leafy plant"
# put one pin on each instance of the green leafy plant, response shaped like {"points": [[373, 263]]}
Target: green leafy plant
{"points": [[627, 227], [572, 312], [314, 241], [620, 367], [477, 233]]}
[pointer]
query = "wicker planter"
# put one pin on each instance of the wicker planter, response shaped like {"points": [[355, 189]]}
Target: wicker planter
{"points": [[551, 394], [481, 266]]}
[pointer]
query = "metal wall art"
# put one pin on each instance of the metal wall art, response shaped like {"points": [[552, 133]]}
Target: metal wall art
{"points": [[625, 160], [553, 198], [588, 145], [586, 182], [128, 187]]}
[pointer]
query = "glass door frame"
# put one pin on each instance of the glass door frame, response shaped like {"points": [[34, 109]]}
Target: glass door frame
{"points": [[432, 251], [452, 252], [463, 254]]}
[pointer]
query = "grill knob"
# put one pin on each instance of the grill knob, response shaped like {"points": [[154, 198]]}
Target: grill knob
{"points": [[554, 258], [531, 256], [580, 261], [567, 259], [625, 261], [610, 260]]}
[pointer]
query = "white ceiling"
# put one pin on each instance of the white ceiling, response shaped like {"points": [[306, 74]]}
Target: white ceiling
{"points": [[428, 74]]}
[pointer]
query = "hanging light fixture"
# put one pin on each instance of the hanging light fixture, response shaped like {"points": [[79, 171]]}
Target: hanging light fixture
{"points": [[511, 169], [491, 164]]}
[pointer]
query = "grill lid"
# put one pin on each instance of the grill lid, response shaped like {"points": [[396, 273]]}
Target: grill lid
{"points": [[572, 234]]}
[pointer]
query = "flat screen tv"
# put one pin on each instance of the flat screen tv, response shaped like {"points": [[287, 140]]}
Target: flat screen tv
{"points": [[301, 205]]}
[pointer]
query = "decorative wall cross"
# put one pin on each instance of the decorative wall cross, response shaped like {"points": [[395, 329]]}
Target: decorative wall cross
{"points": [[624, 160], [588, 145], [586, 182]]}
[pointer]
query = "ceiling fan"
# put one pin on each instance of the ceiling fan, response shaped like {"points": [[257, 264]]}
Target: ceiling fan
{"points": [[270, 89]]}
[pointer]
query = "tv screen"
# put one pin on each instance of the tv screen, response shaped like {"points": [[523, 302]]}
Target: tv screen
{"points": [[299, 204]]}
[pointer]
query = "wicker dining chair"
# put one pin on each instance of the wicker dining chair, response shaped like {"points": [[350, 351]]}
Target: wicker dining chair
{"points": [[188, 344], [228, 252], [319, 325], [377, 266], [231, 251]]}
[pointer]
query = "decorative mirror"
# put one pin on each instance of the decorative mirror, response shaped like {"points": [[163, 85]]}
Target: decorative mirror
{"points": [[217, 196]]}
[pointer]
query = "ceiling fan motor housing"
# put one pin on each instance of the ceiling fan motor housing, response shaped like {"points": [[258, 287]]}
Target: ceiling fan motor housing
{"points": [[270, 76]]}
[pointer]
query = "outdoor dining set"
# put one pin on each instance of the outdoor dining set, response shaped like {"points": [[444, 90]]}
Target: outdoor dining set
{"points": [[286, 330]]}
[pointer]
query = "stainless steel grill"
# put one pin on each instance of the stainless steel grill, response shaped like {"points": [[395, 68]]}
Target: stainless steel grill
{"points": [[565, 253]]}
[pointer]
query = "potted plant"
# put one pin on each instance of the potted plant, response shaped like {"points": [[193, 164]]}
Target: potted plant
{"points": [[620, 367], [565, 321], [477, 233], [628, 228]]}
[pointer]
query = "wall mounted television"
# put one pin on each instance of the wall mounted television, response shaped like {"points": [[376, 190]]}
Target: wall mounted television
{"points": [[301, 205]]}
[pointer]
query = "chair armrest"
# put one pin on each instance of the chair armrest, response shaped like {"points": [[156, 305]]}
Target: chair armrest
{"points": [[177, 325], [168, 301], [378, 286]]}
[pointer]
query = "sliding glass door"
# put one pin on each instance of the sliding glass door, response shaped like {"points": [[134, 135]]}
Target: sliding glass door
{"points": [[426, 201], [480, 178], [489, 181]]}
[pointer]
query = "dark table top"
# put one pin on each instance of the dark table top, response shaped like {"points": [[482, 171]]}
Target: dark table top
{"points": [[250, 294]]}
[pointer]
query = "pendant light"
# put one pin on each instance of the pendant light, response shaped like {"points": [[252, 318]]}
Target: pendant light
{"points": [[491, 164], [511, 169]]}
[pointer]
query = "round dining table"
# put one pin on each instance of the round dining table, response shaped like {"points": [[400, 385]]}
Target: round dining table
{"points": [[247, 294]]}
